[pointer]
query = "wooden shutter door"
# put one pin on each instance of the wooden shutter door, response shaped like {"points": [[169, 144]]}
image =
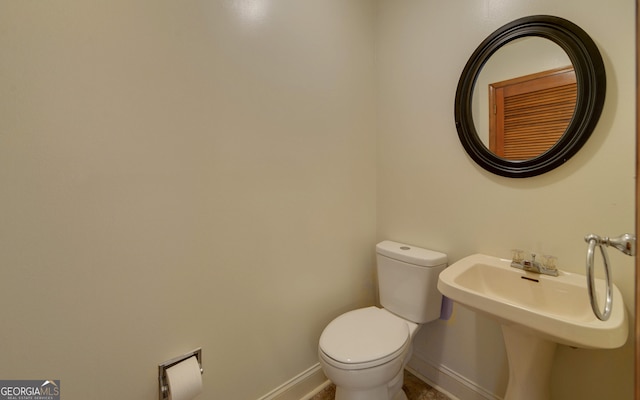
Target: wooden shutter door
{"points": [[528, 114]]}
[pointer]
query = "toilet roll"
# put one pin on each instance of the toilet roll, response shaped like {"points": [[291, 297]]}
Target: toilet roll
{"points": [[184, 380]]}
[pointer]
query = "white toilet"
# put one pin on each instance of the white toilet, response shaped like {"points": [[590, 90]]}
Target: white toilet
{"points": [[364, 352]]}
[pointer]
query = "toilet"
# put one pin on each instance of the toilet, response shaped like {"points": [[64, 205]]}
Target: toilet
{"points": [[364, 351]]}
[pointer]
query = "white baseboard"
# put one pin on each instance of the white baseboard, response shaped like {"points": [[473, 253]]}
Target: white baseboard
{"points": [[448, 381], [308, 383], [302, 387]]}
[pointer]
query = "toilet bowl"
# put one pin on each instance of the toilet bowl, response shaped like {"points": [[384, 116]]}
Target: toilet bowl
{"points": [[364, 351]]}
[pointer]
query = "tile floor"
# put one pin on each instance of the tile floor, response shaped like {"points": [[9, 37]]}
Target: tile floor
{"points": [[413, 387]]}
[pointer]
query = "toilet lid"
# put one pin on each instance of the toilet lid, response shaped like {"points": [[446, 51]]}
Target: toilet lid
{"points": [[364, 335]]}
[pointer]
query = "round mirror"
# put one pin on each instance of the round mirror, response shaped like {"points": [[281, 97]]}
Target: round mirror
{"points": [[530, 96]]}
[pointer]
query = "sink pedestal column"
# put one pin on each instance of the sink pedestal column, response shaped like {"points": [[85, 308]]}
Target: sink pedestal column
{"points": [[530, 359]]}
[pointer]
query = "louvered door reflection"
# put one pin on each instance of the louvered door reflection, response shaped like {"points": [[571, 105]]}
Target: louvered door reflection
{"points": [[528, 114]]}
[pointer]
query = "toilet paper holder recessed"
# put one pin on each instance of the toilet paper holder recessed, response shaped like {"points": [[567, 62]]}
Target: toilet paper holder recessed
{"points": [[162, 370]]}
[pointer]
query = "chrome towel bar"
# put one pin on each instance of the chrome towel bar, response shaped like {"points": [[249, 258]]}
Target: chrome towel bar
{"points": [[626, 243]]}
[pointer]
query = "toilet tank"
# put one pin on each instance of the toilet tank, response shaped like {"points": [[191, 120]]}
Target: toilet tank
{"points": [[407, 280]]}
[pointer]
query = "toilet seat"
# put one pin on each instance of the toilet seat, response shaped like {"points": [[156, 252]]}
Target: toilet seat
{"points": [[364, 338]]}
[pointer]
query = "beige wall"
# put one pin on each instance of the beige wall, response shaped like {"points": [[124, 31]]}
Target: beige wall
{"points": [[182, 174], [204, 173], [430, 193]]}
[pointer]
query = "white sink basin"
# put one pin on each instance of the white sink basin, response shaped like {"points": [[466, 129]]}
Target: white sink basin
{"points": [[536, 312], [555, 307]]}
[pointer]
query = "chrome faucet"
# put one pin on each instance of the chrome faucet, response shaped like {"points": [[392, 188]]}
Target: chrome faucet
{"points": [[546, 268]]}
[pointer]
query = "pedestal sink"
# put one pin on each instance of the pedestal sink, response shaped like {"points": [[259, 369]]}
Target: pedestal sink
{"points": [[536, 312]]}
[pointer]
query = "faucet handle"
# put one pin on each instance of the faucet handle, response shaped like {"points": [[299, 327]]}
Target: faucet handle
{"points": [[549, 262], [517, 256]]}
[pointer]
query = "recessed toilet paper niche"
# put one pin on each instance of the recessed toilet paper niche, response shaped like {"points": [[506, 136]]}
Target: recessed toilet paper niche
{"points": [[181, 377]]}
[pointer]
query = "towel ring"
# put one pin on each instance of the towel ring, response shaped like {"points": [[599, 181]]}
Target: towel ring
{"points": [[593, 241]]}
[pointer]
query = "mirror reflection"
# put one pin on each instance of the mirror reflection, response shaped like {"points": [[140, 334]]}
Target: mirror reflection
{"points": [[524, 98]]}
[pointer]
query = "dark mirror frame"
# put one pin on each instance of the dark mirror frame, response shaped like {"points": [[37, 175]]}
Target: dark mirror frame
{"points": [[591, 82]]}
